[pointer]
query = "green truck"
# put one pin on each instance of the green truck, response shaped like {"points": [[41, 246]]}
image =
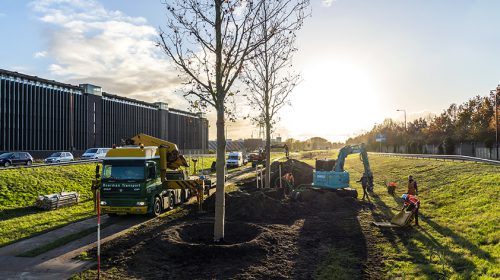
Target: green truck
{"points": [[138, 179]]}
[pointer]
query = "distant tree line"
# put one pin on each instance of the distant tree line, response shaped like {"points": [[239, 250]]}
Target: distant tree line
{"points": [[470, 122], [314, 143]]}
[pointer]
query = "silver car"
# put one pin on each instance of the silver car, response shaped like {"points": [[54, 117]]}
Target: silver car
{"points": [[59, 157]]}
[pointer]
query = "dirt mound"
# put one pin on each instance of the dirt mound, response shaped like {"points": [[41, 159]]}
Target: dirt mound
{"points": [[302, 172], [257, 205]]}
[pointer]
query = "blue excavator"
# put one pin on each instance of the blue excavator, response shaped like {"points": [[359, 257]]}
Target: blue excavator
{"points": [[331, 175]]}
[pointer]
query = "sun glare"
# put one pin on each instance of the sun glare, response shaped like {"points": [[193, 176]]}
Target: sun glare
{"points": [[339, 97]]}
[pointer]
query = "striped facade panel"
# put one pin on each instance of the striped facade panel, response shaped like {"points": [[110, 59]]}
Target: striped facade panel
{"points": [[46, 116]]}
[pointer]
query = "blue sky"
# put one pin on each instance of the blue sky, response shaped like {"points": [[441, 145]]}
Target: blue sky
{"points": [[359, 60]]}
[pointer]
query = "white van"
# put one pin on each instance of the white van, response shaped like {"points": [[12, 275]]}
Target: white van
{"points": [[235, 159], [95, 153]]}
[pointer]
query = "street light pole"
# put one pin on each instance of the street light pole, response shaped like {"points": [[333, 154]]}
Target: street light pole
{"points": [[404, 110], [496, 118]]}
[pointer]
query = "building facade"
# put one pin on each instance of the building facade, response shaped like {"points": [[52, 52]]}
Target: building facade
{"points": [[43, 116]]}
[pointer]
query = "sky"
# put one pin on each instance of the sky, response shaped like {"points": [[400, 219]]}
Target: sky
{"points": [[359, 60]]}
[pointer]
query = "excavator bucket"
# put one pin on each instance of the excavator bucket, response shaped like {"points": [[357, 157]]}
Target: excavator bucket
{"points": [[403, 218]]}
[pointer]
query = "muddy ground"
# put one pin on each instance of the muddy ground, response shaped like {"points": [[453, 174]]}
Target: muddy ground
{"points": [[267, 237]]}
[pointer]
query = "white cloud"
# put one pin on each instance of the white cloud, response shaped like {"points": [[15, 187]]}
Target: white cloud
{"points": [[40, 54], [327, 3], [107, 48]]}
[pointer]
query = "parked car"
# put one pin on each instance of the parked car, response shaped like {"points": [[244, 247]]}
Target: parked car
{"points": [[95, 153], [15, 158], [59, 157]]}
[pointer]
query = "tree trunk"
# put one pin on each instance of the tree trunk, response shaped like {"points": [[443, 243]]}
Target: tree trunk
{"points": [[220, 166], [268, 155]]}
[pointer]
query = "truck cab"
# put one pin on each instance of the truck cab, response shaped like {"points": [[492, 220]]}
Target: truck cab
{"points": [[131, 183]]}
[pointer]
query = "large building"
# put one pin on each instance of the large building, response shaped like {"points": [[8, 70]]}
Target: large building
{"points": [[43, 116]]}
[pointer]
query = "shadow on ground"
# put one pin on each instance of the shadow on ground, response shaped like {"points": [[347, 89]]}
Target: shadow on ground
{"points": [[422, 248]]}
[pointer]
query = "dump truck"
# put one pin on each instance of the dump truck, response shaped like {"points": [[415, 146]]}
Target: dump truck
{"points": [[144, 177]]}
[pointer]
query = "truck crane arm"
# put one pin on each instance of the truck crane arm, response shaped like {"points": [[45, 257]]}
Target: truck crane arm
{"points": [[174, 159]]}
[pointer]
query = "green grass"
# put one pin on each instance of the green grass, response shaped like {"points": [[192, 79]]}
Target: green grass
{"points": [[339, 264], [20, 187], [460, 220], [202, 163]]}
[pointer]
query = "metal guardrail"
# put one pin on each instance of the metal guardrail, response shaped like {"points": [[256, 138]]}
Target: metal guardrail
{"points": [[52, 164], [442, 157]]}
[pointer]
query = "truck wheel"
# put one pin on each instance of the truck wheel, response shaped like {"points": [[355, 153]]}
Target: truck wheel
{"points": [[170, 202], [6, 164], [28, 163], [156, 207]]}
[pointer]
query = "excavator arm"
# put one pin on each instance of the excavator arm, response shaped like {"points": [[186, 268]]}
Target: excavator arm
{"points": [[367, 178], [353, 149], [169, 151]]}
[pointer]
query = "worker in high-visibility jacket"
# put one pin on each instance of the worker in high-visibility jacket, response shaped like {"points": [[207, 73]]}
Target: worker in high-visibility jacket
{"points": [[411, 203]]}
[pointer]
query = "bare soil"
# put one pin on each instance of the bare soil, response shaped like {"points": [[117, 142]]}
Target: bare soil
{"points": [[267, 237], [302, 172]]}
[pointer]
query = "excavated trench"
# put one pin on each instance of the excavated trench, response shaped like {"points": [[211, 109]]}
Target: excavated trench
{"points": [[197, 238]]}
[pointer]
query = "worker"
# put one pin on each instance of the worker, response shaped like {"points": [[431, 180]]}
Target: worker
{"points": [[200, 196], [364, 180], [286, 151], [411, 203], [412, 186], [288, 178]]}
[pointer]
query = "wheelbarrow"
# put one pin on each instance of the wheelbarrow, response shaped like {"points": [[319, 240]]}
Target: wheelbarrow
{"points": [[391, 187]]}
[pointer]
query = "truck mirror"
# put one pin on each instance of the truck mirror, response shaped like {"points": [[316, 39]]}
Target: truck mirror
{"points": [[152, 172]]}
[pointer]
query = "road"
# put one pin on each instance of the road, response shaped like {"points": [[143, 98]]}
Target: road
{"points": [[59, 263]]}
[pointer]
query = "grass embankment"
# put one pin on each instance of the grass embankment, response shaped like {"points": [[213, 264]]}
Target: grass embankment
{"points": [[20, 187], [460, 219], [460, 222], [201, 164]]}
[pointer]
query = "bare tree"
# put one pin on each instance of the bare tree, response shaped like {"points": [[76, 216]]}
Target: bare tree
{"points": [[209, 41], [268, 75]]}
